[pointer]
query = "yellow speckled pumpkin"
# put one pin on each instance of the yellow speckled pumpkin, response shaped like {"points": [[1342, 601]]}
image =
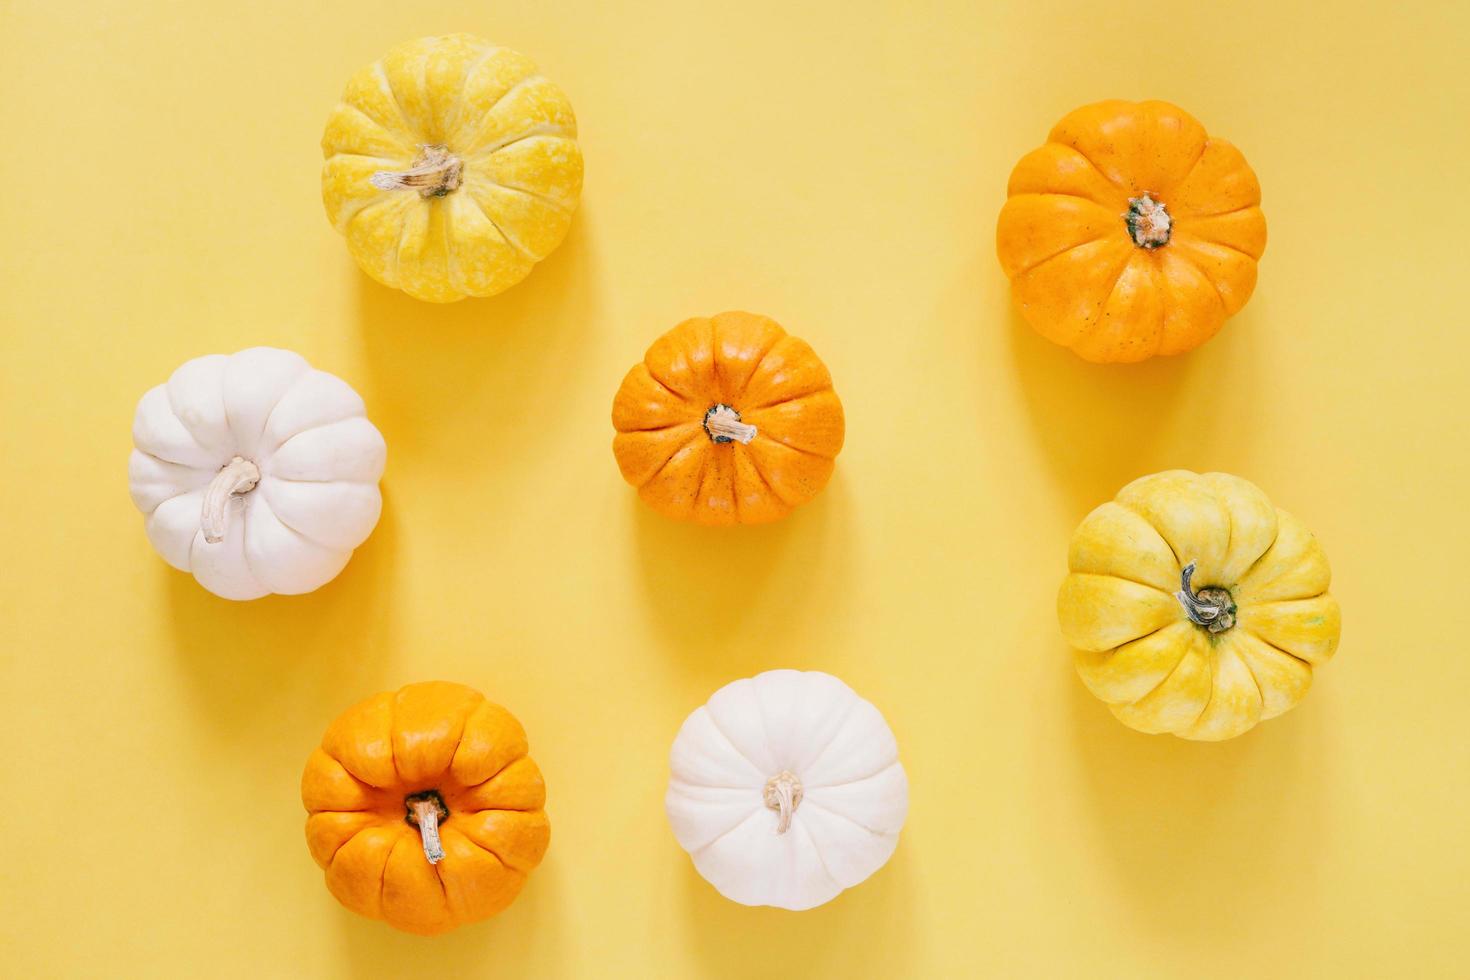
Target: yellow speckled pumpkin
{"points": [[452, 168], [1197, 607], [1131, 232]]}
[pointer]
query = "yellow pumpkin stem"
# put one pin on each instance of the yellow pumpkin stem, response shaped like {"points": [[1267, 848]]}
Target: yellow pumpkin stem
{"points": [[723, 425], [783, 794], [435, 172], [425, 811], [1211, 607], [235, 479]]}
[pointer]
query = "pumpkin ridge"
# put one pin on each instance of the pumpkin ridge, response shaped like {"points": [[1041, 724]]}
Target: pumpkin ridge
{"points": [[538, 130], [289, 526], [788, 399], [551, 203], [1092, 163], [1157, 530], [821, 858], [406, 148], [353, 208], [807, 801], [665, 464], [244, 547], [1278, 649], [765, 430], [759, 472], [517, 246], [451, 123], [1121, 193], [477, 151], [1196, 215], [811, 763], [386, 86], [1056, 255], [523, 873], [1177, 664], [1213, 243], [1189, 171], [1251, 673], [753, 815], [732, 393], [394, 276], [814, 787], [655, 379], [667, 459], [1121, 578], [1185, 255], [1091, 328], [715, 724], [492, 776], [383, 879], [350, 837], [1209, 656]]}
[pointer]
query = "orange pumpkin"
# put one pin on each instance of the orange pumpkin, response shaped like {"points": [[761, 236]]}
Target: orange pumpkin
{"points": [[1131, 233], [425, 810], [728, 420]]}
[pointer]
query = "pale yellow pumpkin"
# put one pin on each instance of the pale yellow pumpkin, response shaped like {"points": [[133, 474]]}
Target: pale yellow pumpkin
{"points": [[452, 167], [1197, 607]]}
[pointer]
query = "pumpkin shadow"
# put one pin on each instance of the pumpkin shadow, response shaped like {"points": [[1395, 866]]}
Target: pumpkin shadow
{"points": [[1196, 828], [734, 600], [866, 931], [529, 931], [502, 361], [277, 669], [1099, 425]]}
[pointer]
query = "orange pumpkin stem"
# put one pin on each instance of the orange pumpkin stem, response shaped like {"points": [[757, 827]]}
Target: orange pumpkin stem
{"points": [[425, 810], [435, 172], [783, 794], [723, 424], [235, 479]]}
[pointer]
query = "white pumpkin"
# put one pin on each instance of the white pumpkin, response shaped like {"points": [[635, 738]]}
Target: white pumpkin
{"points": [[786, 789], [255, 472]]}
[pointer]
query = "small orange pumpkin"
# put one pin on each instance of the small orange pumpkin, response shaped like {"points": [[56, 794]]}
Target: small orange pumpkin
{"points": [[425, 810], [727, 420], [1130, 232]]}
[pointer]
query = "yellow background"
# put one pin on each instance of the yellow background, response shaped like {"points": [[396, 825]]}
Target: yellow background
{"points": [[838, 166]]}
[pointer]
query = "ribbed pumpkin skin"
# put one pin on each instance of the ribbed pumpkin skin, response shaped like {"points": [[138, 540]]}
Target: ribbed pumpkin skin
{"points": [[432, 736], [516, 135], [773, 380], [1076, 273], [1139, 650]]}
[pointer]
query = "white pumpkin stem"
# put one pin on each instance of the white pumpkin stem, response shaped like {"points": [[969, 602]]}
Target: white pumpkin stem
{"points": [[723, 424], [425, 810], [783, 794], [1149, 224], [1211, 607], [435, 172], [236, 478]]}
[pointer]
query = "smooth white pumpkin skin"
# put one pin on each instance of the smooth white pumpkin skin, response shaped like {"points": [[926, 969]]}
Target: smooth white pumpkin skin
{"points": [[814, 726], [319, 458]]}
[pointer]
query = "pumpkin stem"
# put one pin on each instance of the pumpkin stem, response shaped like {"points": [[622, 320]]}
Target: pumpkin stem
{"points": [[435, 172], [1211, 607], [1149, 224], [236, 478], [783, 794], [722, 424], [425, 810]]}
